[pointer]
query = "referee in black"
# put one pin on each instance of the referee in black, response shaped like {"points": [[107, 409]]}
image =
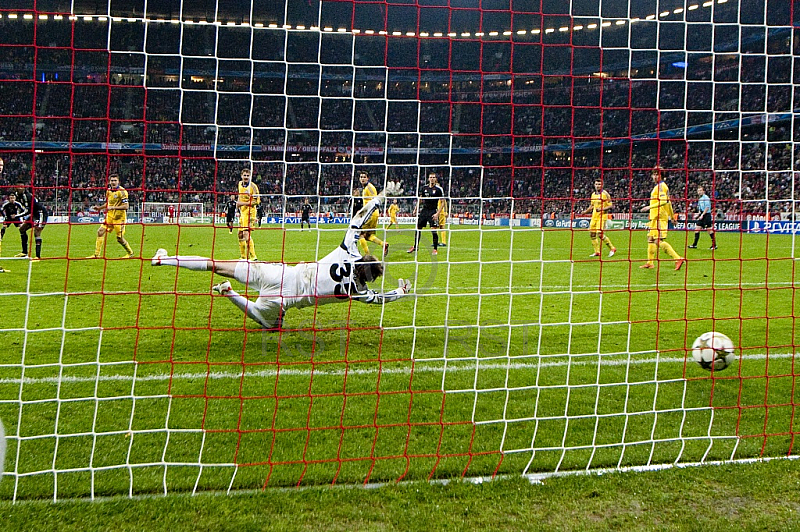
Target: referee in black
{"points": [[428, 212]]}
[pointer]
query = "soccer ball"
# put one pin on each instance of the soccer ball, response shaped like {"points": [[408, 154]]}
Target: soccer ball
{"points": [[713, 350]]}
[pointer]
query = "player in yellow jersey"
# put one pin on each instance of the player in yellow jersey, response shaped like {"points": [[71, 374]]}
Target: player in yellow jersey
{"points": [[660, 209], [248, 202], [116, 209], [368, 229], [393, 209], [600, 207], [442, 222]]}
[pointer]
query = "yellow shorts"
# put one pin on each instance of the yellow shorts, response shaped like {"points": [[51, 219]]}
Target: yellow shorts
{"points": [[247, 217], [115, 225], [658, 229], [598, 224], [368, 229], [442, 220], [372, 223], [393, 220]]}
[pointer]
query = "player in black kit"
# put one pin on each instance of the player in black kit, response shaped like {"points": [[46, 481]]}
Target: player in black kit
{"points": [[428, 212], [230, 213], [305, 217], [12, 212], [36, 218]]}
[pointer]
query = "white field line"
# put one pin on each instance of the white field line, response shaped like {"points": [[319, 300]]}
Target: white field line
{"points": [[420, 366], [474, 290]]}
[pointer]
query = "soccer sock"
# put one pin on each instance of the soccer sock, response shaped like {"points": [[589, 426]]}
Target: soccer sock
{"points": [[596, 245], [127, 247], [363, 246], [2, 232], [24, 238], [435, 239], [247, 306], [696, 238], [652, 249], [443, 237], [242, 249], [98, 246], [374, 238], [251, 249], [38, 247], [668, 249], [608, 242], [190, 262], [713, 239]]}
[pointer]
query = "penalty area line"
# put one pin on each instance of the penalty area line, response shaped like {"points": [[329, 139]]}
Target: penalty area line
{"points": [[421, 366]]}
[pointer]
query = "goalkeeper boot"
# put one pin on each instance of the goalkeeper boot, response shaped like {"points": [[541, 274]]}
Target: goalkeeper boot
{"points": [[612, 251], [221, 288], [156, 261]]}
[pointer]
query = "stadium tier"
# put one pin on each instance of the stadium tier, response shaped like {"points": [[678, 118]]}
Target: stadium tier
{"points": [[528, 214]]}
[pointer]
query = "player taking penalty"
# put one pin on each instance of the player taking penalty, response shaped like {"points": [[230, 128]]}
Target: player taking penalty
{"points": [[116, 209], [340, 276], [600, 206], [660, 209], [248, 202]]}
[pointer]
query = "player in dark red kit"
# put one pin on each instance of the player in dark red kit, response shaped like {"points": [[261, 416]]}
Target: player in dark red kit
{"points": [[171, 213], [428, 212]]}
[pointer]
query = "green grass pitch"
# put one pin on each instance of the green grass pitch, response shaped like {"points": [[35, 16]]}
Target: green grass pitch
{"points": [[518, 354]]}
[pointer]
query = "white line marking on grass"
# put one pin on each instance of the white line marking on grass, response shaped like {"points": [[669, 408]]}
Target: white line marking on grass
{"points": [[595, 287], [421, 366]]}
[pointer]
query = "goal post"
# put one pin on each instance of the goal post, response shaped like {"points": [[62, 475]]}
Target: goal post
{"points": [[164, 212], [541, 336]]}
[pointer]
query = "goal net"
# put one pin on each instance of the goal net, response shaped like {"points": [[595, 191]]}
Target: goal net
{"points": [[534, 340], [155, 212]]}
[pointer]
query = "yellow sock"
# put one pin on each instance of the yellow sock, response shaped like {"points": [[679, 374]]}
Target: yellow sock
{"points": [[668, 249], [98, 246], [242, 249], [251, 249], [608, 242], [374, 238], [652, 249], [363, 246], [596, 245], [443, 237], [127, 247]]}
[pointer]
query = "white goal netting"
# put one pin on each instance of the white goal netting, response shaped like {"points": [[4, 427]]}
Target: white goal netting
{"points": [[531, 343]]}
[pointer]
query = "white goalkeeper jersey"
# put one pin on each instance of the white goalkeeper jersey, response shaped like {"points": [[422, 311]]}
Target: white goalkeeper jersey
{"points": [[332, 279]]}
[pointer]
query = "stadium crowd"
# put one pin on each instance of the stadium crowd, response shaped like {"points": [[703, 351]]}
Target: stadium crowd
{"points": [[308, 135]]}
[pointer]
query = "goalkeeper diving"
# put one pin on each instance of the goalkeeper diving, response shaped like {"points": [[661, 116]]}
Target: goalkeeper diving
{"points": [[340, 276]]}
